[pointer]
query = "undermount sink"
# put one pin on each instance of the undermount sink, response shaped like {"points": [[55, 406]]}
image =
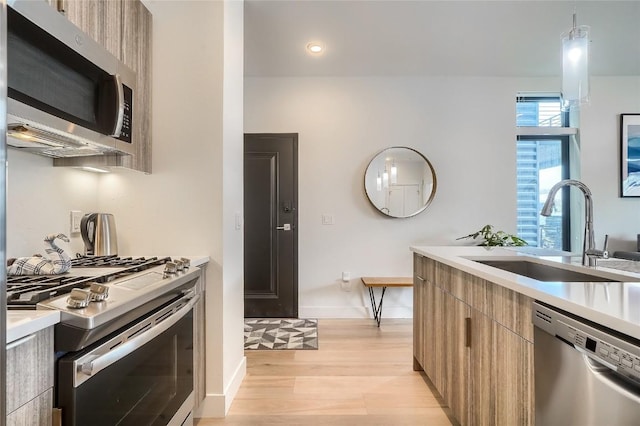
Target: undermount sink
{"points": [[542, 272]]}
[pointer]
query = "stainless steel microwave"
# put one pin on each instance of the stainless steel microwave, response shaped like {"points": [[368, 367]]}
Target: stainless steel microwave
{"points": [[67, 95]]}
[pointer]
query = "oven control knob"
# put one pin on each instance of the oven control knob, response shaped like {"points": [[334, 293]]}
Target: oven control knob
{"points": [[169, 269], [78, 298], [179, 265], [186, 262], [98, 292]]}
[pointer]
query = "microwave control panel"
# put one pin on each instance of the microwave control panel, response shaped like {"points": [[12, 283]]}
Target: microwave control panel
{"points": [[127, 120]]}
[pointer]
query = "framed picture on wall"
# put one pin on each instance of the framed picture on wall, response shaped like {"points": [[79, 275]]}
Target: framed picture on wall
{"points": [[630, 155]]}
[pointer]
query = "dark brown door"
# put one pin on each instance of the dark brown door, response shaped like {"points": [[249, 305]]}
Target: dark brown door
{"points": [[270, 232]]}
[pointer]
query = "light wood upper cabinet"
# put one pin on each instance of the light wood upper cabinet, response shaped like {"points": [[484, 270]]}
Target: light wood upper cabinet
{"points": [[124, 28], [101, 20], [136, 53]]}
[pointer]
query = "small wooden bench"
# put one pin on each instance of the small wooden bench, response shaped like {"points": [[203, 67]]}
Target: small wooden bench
{"points": [[384, 282]]}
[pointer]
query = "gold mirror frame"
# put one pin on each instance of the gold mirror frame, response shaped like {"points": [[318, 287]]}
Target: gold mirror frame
{"points": [[400, 182]]}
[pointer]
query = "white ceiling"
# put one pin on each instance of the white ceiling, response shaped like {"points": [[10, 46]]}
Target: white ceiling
{"points": [[399, 38]]}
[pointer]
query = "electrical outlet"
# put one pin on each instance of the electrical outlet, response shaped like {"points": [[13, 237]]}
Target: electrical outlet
{"points": [[327, 219], [75, 219]]}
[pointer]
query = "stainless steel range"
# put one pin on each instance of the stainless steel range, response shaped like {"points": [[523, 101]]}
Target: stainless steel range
{"points": [[125, 340]]}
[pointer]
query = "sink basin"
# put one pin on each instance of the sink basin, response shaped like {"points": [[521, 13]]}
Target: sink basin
{"points": [[542, 272]]}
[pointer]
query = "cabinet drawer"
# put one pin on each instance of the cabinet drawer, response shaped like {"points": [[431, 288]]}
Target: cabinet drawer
{"points": [[35, 412], [29, 368]]}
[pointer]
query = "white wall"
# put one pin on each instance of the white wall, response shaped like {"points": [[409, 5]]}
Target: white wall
{"points": [[39, 199], [464, 126], [232, 300], [600, 143], [187, 206]]}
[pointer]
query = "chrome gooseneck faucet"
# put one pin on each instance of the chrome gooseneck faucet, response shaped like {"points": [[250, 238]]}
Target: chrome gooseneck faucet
{"points": [[589, 251]]}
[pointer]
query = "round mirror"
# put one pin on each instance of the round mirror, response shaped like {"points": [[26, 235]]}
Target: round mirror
{"points": [[400, 182]]}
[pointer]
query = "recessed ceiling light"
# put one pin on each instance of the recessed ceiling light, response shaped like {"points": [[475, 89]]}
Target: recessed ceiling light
{"points": [[315, 47]]}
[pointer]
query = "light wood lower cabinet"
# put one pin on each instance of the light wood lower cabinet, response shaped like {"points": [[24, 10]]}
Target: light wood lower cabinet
{"points": [[457, 356], [418, 312], [35, 412], [30, 365], [475, 339]]}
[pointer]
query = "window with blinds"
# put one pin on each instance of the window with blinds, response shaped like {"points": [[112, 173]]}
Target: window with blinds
{"points": [[542, 159]]}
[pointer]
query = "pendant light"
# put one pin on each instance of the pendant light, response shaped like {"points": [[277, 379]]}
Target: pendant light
{"points": [[385, 179], [394, 173], [575, 65]]}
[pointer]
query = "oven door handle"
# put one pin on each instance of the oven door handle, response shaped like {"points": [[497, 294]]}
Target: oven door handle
{"points": [[92, 363]]}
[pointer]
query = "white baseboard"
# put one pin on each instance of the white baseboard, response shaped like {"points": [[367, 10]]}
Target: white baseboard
{"points": [[217, 405]]}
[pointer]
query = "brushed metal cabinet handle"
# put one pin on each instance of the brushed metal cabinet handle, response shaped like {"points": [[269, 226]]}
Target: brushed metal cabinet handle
{"points": [[467, 332]]}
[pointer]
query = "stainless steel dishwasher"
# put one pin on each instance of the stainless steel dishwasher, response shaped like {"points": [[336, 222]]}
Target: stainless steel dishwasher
{"points": [[585, 374]]}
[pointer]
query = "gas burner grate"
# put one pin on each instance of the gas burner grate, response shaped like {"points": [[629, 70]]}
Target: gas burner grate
{"points": [[115, 261], [25, 291]]}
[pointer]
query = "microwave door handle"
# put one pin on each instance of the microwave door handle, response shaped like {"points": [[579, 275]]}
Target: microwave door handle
{"points": [[117, 127]]}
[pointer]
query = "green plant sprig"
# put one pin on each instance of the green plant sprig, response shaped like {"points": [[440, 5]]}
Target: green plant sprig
{"points": [[498, 238]]}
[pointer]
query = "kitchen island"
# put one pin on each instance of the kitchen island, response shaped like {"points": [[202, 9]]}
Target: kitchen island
{"points": [[473, 334]]}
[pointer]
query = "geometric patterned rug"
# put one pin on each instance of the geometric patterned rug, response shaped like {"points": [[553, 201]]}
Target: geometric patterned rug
{"points": [[280, 333]]}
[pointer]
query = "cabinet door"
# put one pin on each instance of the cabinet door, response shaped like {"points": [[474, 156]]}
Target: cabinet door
{"points": [[35, 412], [136, 53], [457, 353], [29, 368], [513, 369], [429, 319], [101, 20], [418, 312], [483, 381], [435, 339], [502, 376]]}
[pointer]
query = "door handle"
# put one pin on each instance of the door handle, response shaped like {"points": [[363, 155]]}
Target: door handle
{"points": [[285, 227]]}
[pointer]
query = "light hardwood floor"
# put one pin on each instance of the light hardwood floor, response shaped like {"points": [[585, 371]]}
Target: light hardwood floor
{"points": [[360, 375]]}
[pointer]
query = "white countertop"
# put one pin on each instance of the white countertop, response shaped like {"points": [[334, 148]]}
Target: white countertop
{"points": [[198, 260], [613, 304], [22, 323]]}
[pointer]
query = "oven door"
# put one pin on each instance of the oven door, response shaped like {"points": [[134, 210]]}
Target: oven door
{"points": [[141, 376]]}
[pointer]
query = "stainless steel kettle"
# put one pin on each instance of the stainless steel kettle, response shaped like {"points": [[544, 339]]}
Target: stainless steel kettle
{"points": [[99, 234]]}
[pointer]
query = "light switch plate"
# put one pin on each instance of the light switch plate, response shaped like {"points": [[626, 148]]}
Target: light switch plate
{"points": [[75, 219], [327, 219]]}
